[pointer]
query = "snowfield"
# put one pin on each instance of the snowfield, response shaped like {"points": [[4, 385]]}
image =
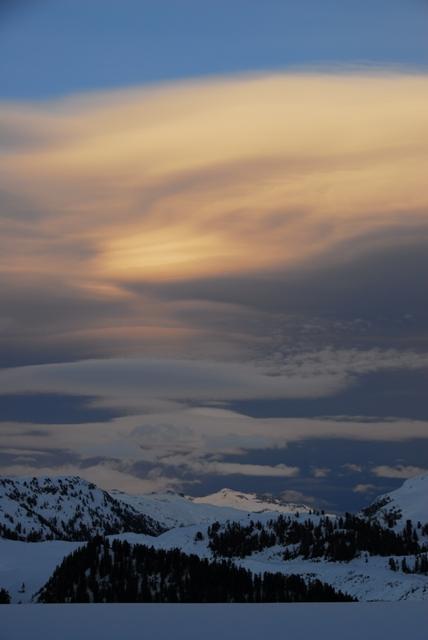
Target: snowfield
{"points": [[174, 510], [211, 622], [31, 563]]}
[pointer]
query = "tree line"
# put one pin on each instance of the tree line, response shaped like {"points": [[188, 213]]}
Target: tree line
{"points": [[119, 572], [339, 539]]}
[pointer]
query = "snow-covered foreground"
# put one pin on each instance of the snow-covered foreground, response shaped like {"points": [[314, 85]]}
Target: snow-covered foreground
{"points": [[31, 563], [211, 622], [367, 578]]}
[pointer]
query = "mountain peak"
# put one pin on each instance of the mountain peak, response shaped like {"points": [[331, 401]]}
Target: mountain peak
{"points": [[250, 502]]}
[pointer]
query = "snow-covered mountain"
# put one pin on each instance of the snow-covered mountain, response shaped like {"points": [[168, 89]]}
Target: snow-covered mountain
{"points": [[64, 508], [250, 502], [69, 508], [176, 510], [408, 502]]}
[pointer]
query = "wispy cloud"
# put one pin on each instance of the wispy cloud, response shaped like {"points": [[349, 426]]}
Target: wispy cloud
{"points": [[147, 383], [365, 488], [118, 204], [320, 472], [351, 467], [399, 471]]}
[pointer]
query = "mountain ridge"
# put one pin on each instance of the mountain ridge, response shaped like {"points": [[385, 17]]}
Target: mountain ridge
{"points": [[64, 508], [70, 508]]}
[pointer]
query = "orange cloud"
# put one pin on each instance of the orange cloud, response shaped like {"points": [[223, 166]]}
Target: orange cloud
{"points": [[201, 179]]}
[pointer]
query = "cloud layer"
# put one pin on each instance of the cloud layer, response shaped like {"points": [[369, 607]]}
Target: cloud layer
{"points": [[255, 237], [143, 217]]}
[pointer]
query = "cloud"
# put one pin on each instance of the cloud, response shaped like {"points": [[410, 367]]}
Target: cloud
{"points": [[107, 475], [343, 362], [134, 382], [147, 208], [160, 246], [232, 468], [138, 383], [291, 495], [320, 472], [400, 471], [195, 441], [352, 467], [182, 445], [365, 488]]}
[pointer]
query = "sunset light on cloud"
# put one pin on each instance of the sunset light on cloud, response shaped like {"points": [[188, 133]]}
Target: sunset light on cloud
{"points": [[226, 176]]}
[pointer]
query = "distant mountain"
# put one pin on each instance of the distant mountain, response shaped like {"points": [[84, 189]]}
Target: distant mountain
{"points": [[251, 502], [409, 502], [69, 508], [65, 508], [173, 510]]}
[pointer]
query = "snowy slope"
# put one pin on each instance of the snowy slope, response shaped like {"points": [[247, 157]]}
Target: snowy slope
{"points": [[174, 510], [184, 538], [63, 508], [409, 502], [250, 502], [30, 563], [367, 578]]}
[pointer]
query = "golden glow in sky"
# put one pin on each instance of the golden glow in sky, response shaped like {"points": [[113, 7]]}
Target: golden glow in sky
{"points": [[203, 179]]}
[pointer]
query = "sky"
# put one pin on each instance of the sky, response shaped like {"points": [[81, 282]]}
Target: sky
{"points": [[214, 245]]}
